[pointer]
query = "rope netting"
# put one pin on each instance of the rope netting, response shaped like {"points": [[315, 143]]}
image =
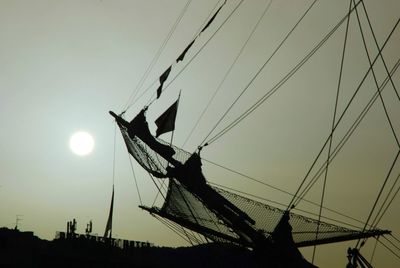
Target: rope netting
{"points": [[150, 160], [187, 209], [182, 204]]}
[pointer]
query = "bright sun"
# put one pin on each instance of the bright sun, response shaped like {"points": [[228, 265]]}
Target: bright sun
{"points": [[81, 143]]}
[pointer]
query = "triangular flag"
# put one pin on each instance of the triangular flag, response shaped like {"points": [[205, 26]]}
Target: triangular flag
{"points": [[180, 58], [166, 121], [212, 18], [163, 77]]}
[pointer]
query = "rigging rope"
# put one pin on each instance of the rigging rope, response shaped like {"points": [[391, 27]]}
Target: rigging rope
{"points": [[134, 176], [348, 134], [392, 243], [332, 127], [377, 220], [173, 228], [194, 56], [390, 250], [297, 197], [374, 250], [165, 87], [158, 188], [378, 197], [398, 240], [377, 46], [375, 79], [156, 57], [280, 190], [218, 135], [279, 84], [162, 187], [284, 205], [229, 70]]}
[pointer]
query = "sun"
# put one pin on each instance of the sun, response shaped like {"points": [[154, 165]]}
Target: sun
{"points": [[81, 143]]}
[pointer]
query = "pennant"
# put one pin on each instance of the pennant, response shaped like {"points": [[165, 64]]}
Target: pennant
{"points": [[212, 18], [166, 121], [108, 231], [180, 58], [163, 77]]}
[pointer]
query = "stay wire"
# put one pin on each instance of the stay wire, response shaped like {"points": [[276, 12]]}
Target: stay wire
{"points": [[347, 136], [134, 176], [377, 220], [375, 79], [388, 248], [396, 239], [193, 39], [178, 229], [174, 229], [332, 130], [280, 190], [158, 188], [229, 71], [379, 195], [156, 57], [254, 77], [190, 60], [284, 205], [392, 243], [377, 45], [385, 109], [374, 250], [296, 198], [278, 85], [162, 187]]}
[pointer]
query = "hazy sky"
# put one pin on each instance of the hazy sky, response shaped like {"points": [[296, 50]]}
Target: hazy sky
{"points": [[65, 64]]}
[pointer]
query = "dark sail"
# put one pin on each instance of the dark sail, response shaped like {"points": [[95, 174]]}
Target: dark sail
{"points": [[163, 78], [166, 122], [182, 56], [213, 17]]}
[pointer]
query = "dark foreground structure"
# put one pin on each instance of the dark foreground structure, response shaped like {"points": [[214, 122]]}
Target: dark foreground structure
{"points": [[24, 249]]}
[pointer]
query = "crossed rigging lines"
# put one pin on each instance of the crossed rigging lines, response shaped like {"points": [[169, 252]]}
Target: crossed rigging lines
{"points": [[331, 155]]}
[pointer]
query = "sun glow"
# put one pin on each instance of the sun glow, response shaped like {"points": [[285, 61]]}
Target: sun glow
{"points": [[81, 143]]}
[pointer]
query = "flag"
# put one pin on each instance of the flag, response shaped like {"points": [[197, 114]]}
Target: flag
{"points": [[163, 77], [108, 231], [212, 18], [180, 58], [166, 121]]}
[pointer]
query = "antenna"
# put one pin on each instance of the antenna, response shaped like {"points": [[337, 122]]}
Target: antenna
{"points": [[17, 220]]}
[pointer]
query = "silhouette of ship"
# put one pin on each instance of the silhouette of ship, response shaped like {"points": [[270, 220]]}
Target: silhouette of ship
{"points": [[270, 235], [236, 230]]}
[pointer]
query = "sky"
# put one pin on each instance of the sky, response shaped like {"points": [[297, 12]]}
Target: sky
{"points": [[65, 64]]}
